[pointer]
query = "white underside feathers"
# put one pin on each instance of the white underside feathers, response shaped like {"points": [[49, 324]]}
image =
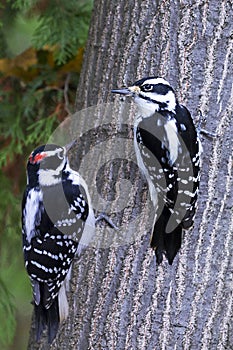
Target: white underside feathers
{"points": [[63, 303]]}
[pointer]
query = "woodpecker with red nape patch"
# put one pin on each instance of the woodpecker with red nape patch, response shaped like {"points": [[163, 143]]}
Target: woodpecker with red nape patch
{"points": [[168, 151], [57, 222]]}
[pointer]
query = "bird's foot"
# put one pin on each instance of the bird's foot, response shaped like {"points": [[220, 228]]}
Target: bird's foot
{"points": [[202, 131], [103, 216]]}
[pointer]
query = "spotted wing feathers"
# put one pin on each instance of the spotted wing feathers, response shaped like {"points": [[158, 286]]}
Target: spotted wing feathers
{"points": [[171, 160], [53, 219]]}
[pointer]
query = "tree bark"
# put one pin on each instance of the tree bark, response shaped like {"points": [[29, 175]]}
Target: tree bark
{"points": [[119, 298]]}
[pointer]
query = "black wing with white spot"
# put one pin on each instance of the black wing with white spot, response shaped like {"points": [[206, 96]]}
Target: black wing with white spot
{"points": [[188, 165], [154, 151], [55, 215], [53, 220], [48, 262], [171, 166], [167, 150], [66, 207], [58, 223]]}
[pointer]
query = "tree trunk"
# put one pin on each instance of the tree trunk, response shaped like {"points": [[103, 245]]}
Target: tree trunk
{"points": [[119, 298]]}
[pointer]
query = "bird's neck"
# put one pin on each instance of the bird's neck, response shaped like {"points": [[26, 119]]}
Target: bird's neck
{"points": [[50, 177]]}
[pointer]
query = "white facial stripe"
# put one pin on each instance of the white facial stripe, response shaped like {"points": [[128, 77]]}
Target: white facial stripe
{"points": [[38, 157], [157, 97], [155, 81], [169, 99], [52, 153]]}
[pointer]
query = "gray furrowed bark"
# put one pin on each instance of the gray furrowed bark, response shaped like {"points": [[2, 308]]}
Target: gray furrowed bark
{"points": [[119, 298]]}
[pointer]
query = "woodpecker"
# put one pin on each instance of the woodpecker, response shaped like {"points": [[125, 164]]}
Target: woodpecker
{"points": [[168, 151], [57, 222]]}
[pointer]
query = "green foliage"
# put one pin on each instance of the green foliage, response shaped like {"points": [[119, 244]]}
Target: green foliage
{"points": [[10, 224], [7, 320], [23, 5], [9, 211], [25, 118], [62, 24]]}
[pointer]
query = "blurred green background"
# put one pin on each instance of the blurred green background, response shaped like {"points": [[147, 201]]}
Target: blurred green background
{"points": [[41, 50]]}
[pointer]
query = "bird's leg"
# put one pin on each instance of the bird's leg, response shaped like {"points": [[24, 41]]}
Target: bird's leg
{"points": [[103, 216], [208, 134], [204, 132]]}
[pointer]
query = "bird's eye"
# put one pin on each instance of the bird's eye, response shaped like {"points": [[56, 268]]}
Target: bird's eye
{"points": [[147, 87], [61, 154]]}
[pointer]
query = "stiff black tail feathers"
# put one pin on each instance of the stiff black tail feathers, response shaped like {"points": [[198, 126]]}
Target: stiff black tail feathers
{"points": [[172, 242], [163, 242], [47, 317], [40, 320]]}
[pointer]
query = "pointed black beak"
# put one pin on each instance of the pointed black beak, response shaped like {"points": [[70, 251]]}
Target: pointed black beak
{"points": [[70, 145], [124, 91]]}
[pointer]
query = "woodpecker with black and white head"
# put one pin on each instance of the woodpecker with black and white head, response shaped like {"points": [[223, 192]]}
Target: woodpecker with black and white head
{"points": [[168, 153], [57, 221]]}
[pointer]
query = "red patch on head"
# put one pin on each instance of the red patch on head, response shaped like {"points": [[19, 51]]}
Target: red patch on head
{"points": [[37, 158]]}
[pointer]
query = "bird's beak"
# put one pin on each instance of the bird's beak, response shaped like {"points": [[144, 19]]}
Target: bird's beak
{"points": [[70, 145], [124, 91], [129, 91]]}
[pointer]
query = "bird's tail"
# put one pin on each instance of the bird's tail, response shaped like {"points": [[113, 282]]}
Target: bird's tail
{"points": [[163, 242], [47, 318]]}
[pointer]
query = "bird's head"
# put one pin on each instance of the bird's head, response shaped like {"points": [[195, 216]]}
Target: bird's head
{"points": [[151, 94], [46, 163]]}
